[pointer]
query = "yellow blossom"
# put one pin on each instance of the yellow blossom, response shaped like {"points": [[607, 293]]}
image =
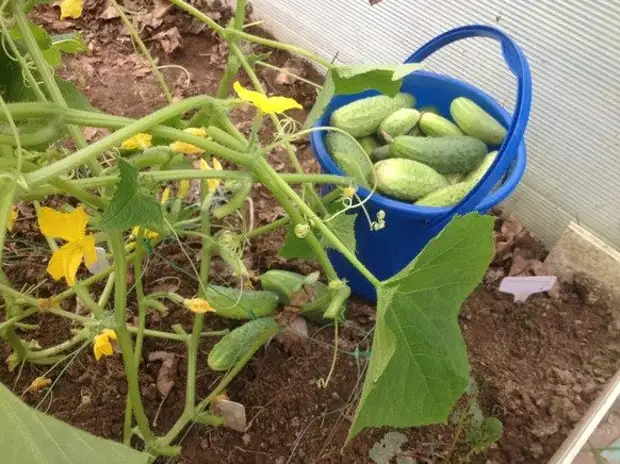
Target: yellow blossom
{"points": [[183, 188], [140, 141], [70, 227], [349, 191], [70, 9], [137, 232], [198, 305], [103, 345], [39, 384], [270, 105], [165, 196], [211, 183], [187, 148], [12, 218]]}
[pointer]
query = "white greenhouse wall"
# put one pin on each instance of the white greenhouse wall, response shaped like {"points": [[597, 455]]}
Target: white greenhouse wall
{"points": [[574, 51]]}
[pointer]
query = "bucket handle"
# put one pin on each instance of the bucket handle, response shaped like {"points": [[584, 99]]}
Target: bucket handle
{"points": [[517, 62]]}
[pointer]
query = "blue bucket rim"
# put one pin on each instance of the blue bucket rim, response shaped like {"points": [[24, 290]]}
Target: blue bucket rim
{"points": [[382, 202]]}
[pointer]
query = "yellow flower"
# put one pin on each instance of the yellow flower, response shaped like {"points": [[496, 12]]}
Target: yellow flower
{"points": [[39, 384], [12, 218], [183, 188], [186, 148], [70, 227], [137, 232], [349, 191], [103, 345], [198, 305], [211, 183], [270, 105], [70, 9], [140, 141], [165, 196]]}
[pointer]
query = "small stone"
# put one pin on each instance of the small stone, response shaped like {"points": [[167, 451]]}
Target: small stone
{"points": [[246, 439], [233, 414], [564, 376]]}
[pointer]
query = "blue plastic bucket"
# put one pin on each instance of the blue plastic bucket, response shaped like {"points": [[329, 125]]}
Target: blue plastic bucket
{"points": [[408, 227]]}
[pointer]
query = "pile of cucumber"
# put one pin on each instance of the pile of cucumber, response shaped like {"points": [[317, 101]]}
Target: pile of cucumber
{"points": [[418, 155]]}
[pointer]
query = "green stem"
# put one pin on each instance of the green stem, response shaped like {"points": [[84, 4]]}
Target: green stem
{"points": [[107, 292], [15, 319], [124, 338], [145, 52], [58, 349], [84, 295], [47, 76], [158, 334]]}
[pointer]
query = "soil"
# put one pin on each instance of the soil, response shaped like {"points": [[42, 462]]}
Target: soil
{"points": [[538, 364]]}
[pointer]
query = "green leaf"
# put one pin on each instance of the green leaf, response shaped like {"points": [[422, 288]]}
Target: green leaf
{"points": [[418, 368], [486, 433], [40, 35], [33, 437], [295, 247], [129, 207], [322, 100], [74, 98], [52, 56], [343, 226], [387, 79], [71, 42]]}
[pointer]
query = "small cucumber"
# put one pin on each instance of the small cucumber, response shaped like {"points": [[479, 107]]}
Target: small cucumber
{"points": [[406, 179], [234, 303], [447, 155], [398, 123], [474, 121], [369, 144], [447, 196], [381, 153], [455, 178], [240, 342], [477, 174], [349, 157], [434, 125], [362, 117]]}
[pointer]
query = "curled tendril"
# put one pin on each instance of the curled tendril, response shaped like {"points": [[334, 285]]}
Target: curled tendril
{"points": [[302, 230], [288, 127]]}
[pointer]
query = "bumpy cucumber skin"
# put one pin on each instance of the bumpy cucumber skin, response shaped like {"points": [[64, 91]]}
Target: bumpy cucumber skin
{"points": [[447, 155], [447, 196], [381, 153], [478, 173], [362, 117], [234, 303], [434, 125], [369, 144], [474, 121], [398, 123], [236, 344], [407, 180], [349, 157]]}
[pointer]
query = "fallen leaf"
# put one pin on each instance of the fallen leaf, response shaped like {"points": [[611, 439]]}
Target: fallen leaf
{"points": [[109, 13], [166, 378], [519, 266], [512, 229], [169, 40]]}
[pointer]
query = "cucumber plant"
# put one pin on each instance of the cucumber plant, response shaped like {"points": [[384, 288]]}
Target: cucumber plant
{"points": [[128, 206]]}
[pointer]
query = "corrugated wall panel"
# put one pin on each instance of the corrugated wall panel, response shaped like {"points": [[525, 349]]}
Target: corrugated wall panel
{"points": [[574, 51]]}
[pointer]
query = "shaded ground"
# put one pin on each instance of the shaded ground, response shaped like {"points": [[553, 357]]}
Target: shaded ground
{"points": [[538, 364]]}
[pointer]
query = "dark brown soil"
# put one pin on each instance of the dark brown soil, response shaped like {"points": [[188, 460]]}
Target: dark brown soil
{"points": [[538, 364]]}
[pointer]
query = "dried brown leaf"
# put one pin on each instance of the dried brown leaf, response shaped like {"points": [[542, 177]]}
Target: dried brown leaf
{"points": [[166, 378]]}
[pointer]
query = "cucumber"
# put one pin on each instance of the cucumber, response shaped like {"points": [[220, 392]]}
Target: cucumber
{"points": [[234, 303], [349, 157], [434, 125], [455, 178], [242, 341], [286, 283], [398, 123], [429, 109], [381, 153], [406, 179], [362, 117], [369, 144], [474, 121], [447, 196], [416, 131], [477, 174], [447, 155]]}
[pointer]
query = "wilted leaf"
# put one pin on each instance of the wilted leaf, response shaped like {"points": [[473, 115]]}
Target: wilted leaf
{"points": [[166, 378], [169, 40], [33, 437], [384, 451], [129, 207], [418, 350]]}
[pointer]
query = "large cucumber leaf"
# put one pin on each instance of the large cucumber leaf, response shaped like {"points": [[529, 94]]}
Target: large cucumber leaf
{"points": [[419, 368], [36, 438]]}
